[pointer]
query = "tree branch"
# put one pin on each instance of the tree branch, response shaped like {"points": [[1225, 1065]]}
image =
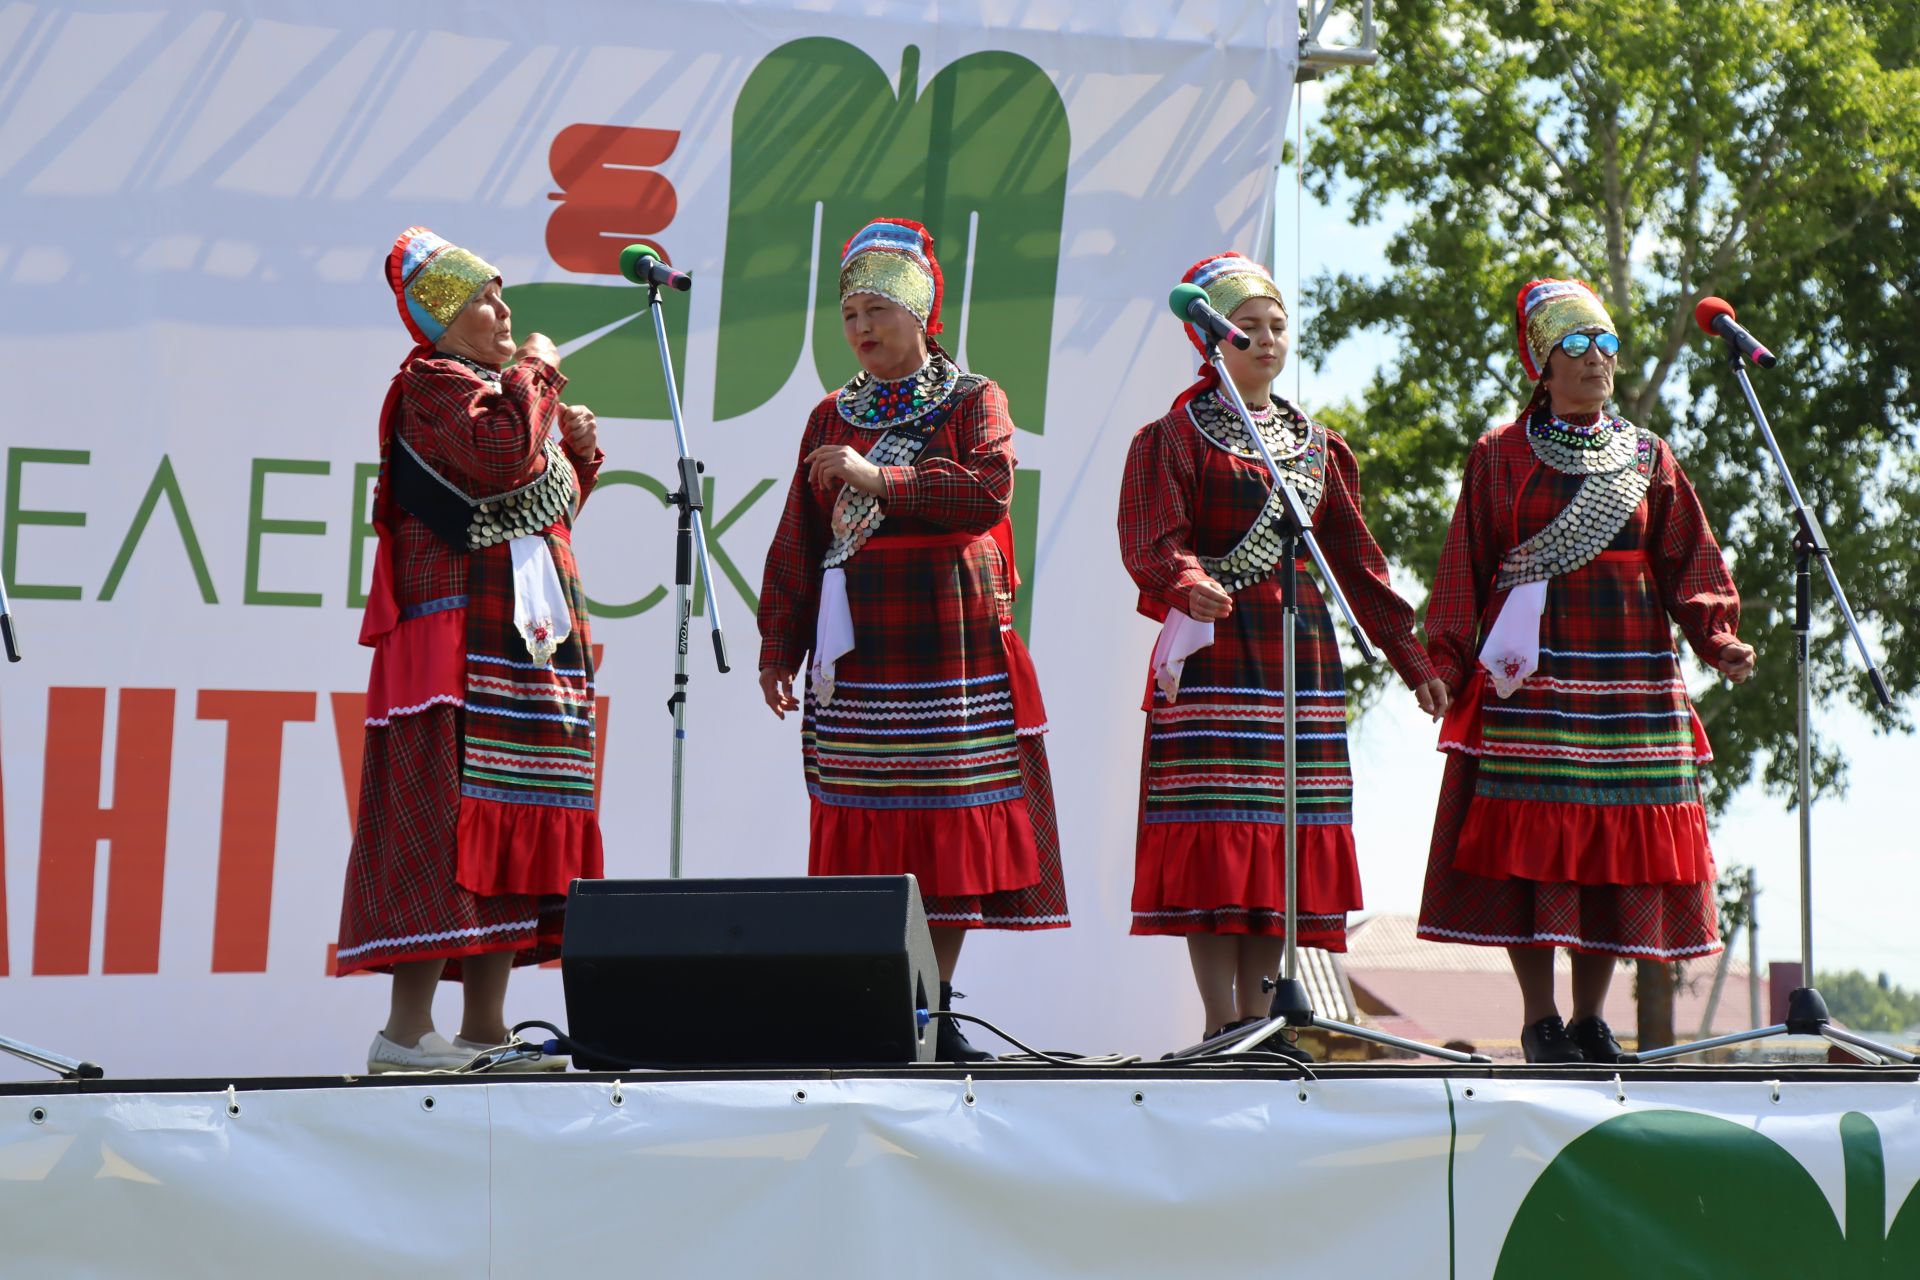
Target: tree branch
{"points": [[1677, 326]]}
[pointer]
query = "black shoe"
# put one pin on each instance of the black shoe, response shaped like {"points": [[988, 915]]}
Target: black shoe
{"points": [[1547, 1041], [950, 1044], [1595, 1040]]}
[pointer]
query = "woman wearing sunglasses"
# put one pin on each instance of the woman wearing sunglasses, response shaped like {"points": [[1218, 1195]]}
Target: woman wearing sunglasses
{"points": [[1570, 812]]}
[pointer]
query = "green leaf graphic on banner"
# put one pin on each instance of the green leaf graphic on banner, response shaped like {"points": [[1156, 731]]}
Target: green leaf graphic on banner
{"points": [[1676, 1193], [617, 373], [981, 155]]}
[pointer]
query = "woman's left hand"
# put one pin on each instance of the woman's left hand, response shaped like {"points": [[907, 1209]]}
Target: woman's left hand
{"points": [[581, 429], [833, 464], [1736, 661]]}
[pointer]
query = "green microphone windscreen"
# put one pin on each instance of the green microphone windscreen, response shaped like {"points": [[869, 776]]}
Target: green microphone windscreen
{"points": [[1181, 298], [631, 261]]}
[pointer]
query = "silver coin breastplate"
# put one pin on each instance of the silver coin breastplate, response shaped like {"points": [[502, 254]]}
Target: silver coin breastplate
{"points": [[857, 516], [1618, 471], [1299, 449]]}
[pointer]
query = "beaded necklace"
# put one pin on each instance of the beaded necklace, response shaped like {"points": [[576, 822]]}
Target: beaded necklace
{"points": [[486, 372], [875, 404]]}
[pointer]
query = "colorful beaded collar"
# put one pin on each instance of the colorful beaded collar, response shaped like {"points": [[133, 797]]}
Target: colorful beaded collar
{"points": [[876, 404]]}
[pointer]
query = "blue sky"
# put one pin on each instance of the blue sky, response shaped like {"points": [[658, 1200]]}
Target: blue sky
{"points": [[1865, 874]]}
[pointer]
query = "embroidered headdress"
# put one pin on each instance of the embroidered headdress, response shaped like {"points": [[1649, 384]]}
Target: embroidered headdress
{"points": [[433, 281], [893, 257], [1230, 280], [1549, 310]]}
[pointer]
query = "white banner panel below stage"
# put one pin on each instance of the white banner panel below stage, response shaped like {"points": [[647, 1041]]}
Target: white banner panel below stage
{"points": [[196, 200], [939, 1176]]}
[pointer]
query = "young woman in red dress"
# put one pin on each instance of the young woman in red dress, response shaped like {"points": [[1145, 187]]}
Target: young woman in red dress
{"points": [[1196, 507]]}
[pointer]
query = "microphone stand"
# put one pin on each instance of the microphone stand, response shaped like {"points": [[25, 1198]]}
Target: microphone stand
{"points": [[1806, 1008], [7, 635], [64, 1067], [690, 536], [1292, 1005]]}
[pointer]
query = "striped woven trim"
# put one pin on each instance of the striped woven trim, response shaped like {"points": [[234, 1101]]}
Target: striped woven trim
{"points": [[1431, 934], [972, 799]]}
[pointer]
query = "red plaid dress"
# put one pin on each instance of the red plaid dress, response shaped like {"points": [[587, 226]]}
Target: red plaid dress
{"points": [[928, 758], [1570, 812], [1210, 852], [404, 897]]}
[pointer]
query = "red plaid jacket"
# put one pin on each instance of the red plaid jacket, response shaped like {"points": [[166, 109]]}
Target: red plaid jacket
{"points": [[485, 441], [961, 482], [1157, 503], [1681, 551]]}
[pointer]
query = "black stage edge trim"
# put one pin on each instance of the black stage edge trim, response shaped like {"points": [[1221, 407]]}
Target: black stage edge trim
{"points": [[1741, 1073]]}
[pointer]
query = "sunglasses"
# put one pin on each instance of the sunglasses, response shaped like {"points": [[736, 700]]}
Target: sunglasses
{"points": [[1576, 344]]}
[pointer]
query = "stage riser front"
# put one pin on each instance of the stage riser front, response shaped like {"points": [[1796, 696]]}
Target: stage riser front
{"points": [[1125, 1175]]}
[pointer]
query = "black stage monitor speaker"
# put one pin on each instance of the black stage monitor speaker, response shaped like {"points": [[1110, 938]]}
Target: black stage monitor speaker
{"points": [[798, 971]]}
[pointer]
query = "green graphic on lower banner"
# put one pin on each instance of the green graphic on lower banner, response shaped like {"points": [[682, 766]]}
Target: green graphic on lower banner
{"points": [[1678, 1193]]}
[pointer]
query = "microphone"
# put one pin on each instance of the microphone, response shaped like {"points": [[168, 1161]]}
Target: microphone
{"points": [[1715, 315], [641, 264], [1189, 302]]}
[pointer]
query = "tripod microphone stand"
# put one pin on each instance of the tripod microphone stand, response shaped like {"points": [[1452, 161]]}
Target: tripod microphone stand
{"points": [[641, 264], [1292, 1005], [1806, 1008]]}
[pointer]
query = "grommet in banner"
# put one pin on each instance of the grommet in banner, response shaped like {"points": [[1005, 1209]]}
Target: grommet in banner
{"points": [[799, 1095], [1300, 1090], [969, 1098], [1774, 1085], [1139, 1099], [233, 1101], [617, 1098], [38, 1115], [1619, 1089], [1467, 1092], [426, 1103]]}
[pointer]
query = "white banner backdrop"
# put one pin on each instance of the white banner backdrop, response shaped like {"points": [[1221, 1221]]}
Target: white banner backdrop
{"points": [[195, 203], [933, 1176]]}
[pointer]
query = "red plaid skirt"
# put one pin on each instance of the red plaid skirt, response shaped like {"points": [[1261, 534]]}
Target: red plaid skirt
{"points": [[1209, 856], [927, 759], [1210, 853], [403, 901], [1570, 812]]}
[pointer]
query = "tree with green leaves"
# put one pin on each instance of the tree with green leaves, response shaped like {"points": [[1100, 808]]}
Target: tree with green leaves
{"points": [[1764, 150]]}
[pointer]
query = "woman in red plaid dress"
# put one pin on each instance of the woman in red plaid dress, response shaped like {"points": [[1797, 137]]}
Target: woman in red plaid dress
{"points": [[921, 734], [477, 784], [1570, 811], [1195, 535]]}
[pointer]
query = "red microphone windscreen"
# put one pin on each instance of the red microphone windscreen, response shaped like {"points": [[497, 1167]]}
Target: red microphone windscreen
{"points": [[1709, 308]]}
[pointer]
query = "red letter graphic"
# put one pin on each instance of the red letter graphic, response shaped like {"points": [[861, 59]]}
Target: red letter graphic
{"points": [[72, 823], [610, 196], [249, 814]]}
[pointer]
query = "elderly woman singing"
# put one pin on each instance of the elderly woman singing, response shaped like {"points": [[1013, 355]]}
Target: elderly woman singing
{"points": [[477, 788]]}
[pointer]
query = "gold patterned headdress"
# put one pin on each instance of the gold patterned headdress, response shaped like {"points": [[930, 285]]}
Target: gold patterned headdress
{"points": [[1230, 280], [433, 281], [1549, 310], [894, 258]]}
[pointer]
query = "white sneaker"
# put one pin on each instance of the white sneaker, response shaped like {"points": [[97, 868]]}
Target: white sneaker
{"points": [[433, 1053], [538, 1062]]}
